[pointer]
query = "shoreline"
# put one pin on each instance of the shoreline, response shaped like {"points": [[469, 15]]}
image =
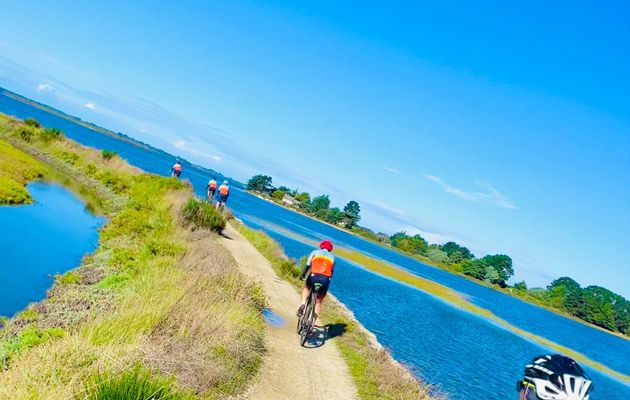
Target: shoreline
{"points": [[118, 312], [375, 355], [100, 318], [427, 263]]}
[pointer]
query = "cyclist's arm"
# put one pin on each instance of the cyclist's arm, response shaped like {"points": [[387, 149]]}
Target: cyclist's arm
{"points": [[307, 266]]}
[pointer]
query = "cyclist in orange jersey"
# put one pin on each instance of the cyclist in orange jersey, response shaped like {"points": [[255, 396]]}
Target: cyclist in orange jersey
{"points": [[320, 267]]}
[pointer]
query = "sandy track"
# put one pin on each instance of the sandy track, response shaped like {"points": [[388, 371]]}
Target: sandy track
{"points": [[289, 371]]}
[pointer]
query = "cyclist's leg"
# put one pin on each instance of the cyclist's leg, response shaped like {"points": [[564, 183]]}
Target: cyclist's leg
{"points": [[305, 293], [324, 281]]}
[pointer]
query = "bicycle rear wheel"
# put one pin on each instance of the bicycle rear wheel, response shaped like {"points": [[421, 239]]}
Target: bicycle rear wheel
{"points": [[308, 318]]}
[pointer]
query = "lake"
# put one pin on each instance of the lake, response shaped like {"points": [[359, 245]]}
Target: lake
{"points": [[464, 355], [40, 240]]}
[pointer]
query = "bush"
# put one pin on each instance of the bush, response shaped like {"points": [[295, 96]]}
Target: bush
{"points": [[50, 134], [32, 122], [135, 384], [108, 154], [201, 214]]}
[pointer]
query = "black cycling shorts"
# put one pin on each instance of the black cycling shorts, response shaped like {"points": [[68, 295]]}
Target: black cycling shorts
{"points": [[322, 280]]}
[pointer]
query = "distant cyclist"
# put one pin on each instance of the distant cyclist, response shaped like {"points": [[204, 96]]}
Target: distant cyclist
{"points": [[321, 264], [211, 189], [224, 193], [177, 169], [554, 377]]}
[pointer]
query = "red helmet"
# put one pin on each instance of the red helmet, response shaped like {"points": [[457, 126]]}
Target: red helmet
{"points": [[326, 244]]}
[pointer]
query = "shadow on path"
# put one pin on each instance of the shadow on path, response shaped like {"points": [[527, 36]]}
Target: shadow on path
{"points": [[321, 334]]}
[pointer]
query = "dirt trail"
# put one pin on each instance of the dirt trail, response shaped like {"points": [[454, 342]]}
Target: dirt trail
{"points": [[289, 371]]}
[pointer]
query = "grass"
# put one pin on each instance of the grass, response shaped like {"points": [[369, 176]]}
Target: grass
{"points": [[134, 384], [16, 170], [376, 375], [108, 154], [201, 214], [154, 295]]}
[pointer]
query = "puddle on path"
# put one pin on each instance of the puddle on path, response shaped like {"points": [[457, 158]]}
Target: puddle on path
{"points": [[272, 318]]}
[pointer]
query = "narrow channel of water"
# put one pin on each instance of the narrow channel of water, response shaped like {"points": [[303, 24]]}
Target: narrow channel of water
{"points": [[40, 240]]}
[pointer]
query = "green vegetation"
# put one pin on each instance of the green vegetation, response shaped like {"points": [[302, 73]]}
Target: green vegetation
{"points": [[136, 383], [32, 122], [376, 374], [201, 214], [108, 154], [150, 297], [318, 207], [16, 170], [592, 304]]}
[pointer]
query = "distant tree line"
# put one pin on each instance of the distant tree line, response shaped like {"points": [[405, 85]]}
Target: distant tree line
{"points": [[318, 206], [593, 304]]}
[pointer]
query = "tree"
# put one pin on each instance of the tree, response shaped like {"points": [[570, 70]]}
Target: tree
{"points": [[278, 194], [334, 215], [456, 253], [397, 237], [418, 244], [260, 183], [437, 255], [503, 266], [283, 189], [474, 268], [351, 213], [599, 307], [520, 286], [320, 203], [412, 244]]}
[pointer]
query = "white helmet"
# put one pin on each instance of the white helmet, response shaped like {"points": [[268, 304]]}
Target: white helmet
{"points": [[555, 377]]}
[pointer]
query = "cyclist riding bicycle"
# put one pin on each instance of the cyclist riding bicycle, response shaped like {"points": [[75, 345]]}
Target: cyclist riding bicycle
{"points": [[321, 264], [176, 170], [211, 188], [554, 377], [224, 193]]}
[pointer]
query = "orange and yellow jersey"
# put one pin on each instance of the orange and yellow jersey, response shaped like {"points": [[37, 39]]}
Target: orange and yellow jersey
{"points": [[321, 262], [212, 184], [224, 190]]}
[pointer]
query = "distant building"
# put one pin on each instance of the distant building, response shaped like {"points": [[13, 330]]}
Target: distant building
{"points": [[290, 201]]}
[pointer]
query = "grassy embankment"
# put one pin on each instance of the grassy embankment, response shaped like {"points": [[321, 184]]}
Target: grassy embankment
{"points": [[375, 373], [157, 310], [452, 297], [16, 170]]}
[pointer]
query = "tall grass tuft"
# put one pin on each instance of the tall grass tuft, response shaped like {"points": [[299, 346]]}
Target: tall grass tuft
{"points": [[201, 214], [135, 384], [108, 154]]}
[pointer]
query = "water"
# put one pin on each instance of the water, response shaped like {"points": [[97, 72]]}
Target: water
{"points": [[40, 240], [465, 355]]}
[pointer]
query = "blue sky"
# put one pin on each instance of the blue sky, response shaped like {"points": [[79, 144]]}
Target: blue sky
{"points": [[503, 126]]}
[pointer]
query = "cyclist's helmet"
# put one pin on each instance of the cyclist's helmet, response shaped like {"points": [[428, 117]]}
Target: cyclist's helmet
{"points": [[326, 244], [554, 377]]}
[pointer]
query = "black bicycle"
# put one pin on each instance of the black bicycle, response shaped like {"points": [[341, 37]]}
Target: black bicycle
{"points": [[307, 319]]}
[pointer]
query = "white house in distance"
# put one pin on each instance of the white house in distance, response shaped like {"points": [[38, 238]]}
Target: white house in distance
{"points": [[290, 201]]}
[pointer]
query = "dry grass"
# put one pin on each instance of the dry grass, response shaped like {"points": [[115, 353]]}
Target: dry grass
{"points": [[151, 295]]}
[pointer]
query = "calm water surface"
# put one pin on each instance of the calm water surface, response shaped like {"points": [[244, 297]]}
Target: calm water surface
{"points": [[40, 240], [464, 355]]}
